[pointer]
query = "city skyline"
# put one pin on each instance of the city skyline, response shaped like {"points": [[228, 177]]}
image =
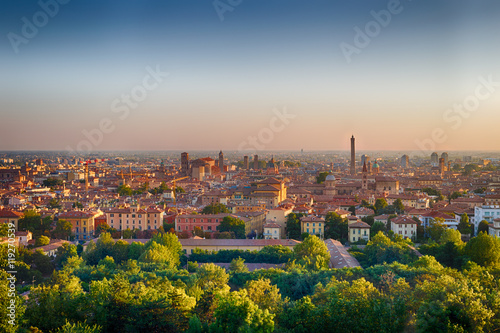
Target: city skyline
{"points": [[210, 79]]}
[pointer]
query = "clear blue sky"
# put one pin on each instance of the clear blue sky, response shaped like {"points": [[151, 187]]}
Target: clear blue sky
{"points": [[227, 76]]}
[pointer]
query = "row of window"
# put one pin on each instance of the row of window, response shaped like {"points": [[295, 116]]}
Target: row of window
{"points": [[359, 231], [201, 220], [209, 228], [133, 215], [319, 224]]}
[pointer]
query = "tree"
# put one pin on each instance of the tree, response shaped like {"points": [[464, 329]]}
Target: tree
{"points": [[157, 253], [376, 227], [451, 235], [54, 203], [382, 249], [431, 191], [42, 241], [232, 224], [312, 252], [380, 204], [336, 227], [436, 228], [62, 230], [465, 227], [77, 204], [215, 208], [237, 265], [52, 182], [124, 190], [64, 252], [483, 226], [321, 177], [42, 262], [293, 226], [455, 195], [236, 312], [103, 227], [265, 295], [484, 250], [398, 206], [212, 277]]}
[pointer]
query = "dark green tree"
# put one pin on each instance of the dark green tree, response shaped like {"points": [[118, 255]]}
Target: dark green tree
{"points": [[215, 208], [232, 224], [465, 227]]}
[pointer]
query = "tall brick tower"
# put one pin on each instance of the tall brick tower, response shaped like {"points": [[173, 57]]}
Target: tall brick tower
{"points": [[353, 156], [221, 161], [185, 164]]}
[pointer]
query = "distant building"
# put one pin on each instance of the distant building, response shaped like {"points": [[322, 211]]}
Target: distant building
{"points": [[256, 162], [245, 162], [82, 223], [434, 159], [134, 217], [405, 161], [185, 164], [358, 230], [221, 161], [10, 216], [272, 231], [444, 156], [487, 213], [405, 226], [494, 228], [353, 156], [313, 225]]}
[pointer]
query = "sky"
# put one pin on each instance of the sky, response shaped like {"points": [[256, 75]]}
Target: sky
{"points": [[416, 75]]}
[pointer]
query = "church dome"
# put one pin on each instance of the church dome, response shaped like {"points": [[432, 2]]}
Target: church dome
{"points": [[375, 165], [330, 177]]}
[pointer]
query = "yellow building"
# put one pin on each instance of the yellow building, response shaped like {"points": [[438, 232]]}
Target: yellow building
{"points": [[134, 217], [10, 216], [82, 223], [272, 231], [358, 230], [313, 225]]}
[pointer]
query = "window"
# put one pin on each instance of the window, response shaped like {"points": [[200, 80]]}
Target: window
{"points": [[314, 231], [112, 215], [201, 227], [307, 230], [209, 227], [319, 224], [307, 223], [314, 224], [133, 215], [179, 228]]}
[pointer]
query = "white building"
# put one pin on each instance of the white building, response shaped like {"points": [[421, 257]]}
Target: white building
{"points": [[405, 226], [494, 229], [487, 213]]}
